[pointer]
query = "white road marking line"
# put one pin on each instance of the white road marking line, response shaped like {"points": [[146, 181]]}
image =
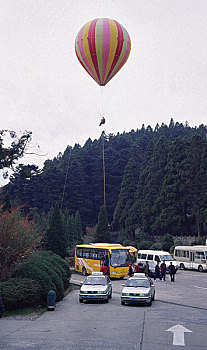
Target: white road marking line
{"points": [[199, 287]]}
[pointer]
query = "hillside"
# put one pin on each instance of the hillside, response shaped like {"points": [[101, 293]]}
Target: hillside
{"points": [[149, 179]]}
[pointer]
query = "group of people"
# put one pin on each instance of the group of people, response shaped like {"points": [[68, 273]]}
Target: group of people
{"points": [[160, 271], [133, 269]]}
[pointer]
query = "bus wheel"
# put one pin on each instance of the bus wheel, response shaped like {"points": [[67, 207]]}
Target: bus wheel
{"points": [[84, 272], [182, 267], [200, 268]]}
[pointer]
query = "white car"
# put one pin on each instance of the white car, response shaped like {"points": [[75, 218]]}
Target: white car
{"points": [[96, 287], [138, 289]]}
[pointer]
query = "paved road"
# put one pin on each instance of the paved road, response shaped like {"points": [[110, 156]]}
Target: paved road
{"points": [[97, 326]]}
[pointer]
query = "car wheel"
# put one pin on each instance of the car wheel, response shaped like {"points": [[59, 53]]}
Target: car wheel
{"points": [[182, 266], [153, 297], [200, 268], [81, 300], [122, 303], [84, 272], [110, 295], [107, 300]]}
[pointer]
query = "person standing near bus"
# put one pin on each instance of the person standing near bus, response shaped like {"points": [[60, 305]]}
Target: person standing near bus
{"points": [[146, 269], [130, 271], [172, 271], [163, 270], [157, 271], [104, 269]]}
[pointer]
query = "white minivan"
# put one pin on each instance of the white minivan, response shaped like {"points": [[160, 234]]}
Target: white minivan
{"points": [[156, 255]]}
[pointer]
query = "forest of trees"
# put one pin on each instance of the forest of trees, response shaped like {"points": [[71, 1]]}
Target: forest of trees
{"points": [[155, 181]]}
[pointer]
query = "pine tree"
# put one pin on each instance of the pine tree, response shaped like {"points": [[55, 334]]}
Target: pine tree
{"points": [[55, 236], [71, 234], [78, 227], [102, 230], [170, 207]]}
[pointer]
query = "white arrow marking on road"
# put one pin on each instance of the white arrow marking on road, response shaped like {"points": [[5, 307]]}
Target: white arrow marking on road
{"points": [[178, 334]]}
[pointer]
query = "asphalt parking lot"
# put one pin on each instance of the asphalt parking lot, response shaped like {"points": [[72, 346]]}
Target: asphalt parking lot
{"points": [[177, 319]]}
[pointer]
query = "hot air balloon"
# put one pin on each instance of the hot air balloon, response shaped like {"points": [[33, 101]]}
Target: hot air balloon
{"points": [[102, 46]]}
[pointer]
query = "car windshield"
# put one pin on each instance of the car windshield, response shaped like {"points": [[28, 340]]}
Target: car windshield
{"points": [[95, 280], [120, 257], [138, 283], [167, 257]]}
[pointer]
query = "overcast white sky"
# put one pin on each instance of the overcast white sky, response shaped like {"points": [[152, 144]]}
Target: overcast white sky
{"points": [[43, 87]]}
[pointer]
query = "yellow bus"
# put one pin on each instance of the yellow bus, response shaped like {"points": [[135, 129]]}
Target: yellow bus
{"points": [[89, 257]]}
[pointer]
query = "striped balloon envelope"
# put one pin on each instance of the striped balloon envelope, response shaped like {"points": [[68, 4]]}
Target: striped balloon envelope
{"points": [[102, 47]]}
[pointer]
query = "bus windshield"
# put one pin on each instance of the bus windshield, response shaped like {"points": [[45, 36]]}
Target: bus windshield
{"points": [[166, 257], [205, 254], [120, 257]]}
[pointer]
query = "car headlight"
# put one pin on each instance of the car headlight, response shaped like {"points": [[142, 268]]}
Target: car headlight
{"points": [[101, 292], [124, 294], [145, 295]]}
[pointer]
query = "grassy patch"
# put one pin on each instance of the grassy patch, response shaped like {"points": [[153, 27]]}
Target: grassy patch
{"points": [[24, 311]]}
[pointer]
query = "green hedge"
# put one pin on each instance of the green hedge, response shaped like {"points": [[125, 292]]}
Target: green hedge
{"points": [[48, 267], [30, 270], [45, 271], [20, 292], [57, 263]]}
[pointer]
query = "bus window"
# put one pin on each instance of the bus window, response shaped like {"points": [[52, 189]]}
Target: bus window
{"points": [[139, 256], [199, 255], [119, 257], [157, 258], [144, 256], [79, 253], [150, 257], [101, 255], [177, 253], [86, 253], [184, 253]]}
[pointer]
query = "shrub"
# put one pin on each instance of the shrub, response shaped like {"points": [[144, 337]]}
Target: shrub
{"points": [[58, 260], [55, 276], [20, 292], [30, 270]]}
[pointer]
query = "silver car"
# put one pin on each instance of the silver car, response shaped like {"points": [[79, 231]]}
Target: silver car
{"points": [[138, 289], [96, 287]]}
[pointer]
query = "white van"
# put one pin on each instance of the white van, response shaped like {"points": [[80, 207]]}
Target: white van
{"points": [[156, 255]]}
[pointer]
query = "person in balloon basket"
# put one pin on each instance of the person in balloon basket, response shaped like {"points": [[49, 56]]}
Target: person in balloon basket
{"points": [[102, 121], [157, 271], [163, 270], [172, 271]]}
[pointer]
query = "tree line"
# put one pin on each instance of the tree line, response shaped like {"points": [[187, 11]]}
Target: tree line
{"points": [[155, 181]]}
